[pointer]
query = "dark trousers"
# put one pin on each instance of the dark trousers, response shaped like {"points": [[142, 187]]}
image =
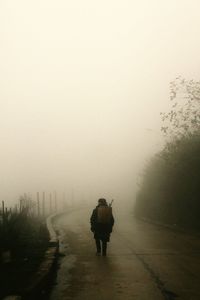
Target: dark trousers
{"points": [[101, 246]]}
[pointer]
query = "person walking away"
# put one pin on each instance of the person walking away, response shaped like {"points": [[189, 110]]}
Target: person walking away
{"points": [[102, 222]]}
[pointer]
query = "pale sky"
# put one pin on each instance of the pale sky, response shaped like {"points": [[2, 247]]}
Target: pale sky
{"points": [[82, 82]]}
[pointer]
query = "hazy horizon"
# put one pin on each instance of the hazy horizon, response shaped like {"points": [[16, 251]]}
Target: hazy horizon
{"points": [[82, 86]]}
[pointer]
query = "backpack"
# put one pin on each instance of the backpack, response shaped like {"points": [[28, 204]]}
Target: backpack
{"points": [[104, 214]]}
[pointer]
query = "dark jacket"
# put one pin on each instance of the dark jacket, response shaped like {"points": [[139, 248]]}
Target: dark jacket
{"points": [[101, 231]]}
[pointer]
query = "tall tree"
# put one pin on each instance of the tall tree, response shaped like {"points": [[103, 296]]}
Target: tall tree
{"points": [[183, 119]]}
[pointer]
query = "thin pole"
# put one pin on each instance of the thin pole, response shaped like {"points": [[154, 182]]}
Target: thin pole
{"points": [[55, 198], [38, 203], [64, 204], [50, 203], [3, 211], [43, 204]]}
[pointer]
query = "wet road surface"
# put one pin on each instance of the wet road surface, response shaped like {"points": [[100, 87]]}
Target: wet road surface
{"points": [[144, 262]]}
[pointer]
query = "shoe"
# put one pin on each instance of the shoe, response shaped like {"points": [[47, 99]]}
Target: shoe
{"points": [[98, 253]]}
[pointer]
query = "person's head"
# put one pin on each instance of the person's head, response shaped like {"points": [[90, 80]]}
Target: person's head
{"points": [[102, 201]]}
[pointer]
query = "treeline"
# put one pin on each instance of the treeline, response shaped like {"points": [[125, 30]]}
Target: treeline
{"points": [[169, 191]]}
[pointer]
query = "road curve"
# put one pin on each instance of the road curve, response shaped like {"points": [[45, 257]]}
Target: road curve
{"points": [[144, 262]]}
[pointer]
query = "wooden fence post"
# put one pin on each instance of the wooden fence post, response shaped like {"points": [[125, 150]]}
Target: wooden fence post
{"points": [[38, 204], [50, 203], [64, 203], [43, 204], [55, 199], [3, 212]]}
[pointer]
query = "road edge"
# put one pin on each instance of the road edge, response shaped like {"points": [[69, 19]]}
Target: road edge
{"points": [[42, 278]]}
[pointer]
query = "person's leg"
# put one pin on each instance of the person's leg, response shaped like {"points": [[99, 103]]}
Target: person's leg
{"points": [[98, 246], [104, 248]]}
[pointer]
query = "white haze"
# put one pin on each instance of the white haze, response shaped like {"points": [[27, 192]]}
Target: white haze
{"points": [[82, 86]]}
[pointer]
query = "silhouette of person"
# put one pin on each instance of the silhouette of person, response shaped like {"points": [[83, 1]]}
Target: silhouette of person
{"points": [[102, 221]]}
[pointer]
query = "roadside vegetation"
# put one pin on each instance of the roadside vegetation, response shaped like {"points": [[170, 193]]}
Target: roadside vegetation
{"points": [[24, 240], [169, 192]]}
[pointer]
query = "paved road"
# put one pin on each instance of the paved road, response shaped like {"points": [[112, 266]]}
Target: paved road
{"points": [[144, 262]]}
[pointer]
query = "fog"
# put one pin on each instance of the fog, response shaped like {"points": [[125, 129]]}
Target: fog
{"points": [[82, 86]]}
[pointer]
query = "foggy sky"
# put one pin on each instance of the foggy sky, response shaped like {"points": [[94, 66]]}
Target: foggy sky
{"points": [[82, 86]]}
